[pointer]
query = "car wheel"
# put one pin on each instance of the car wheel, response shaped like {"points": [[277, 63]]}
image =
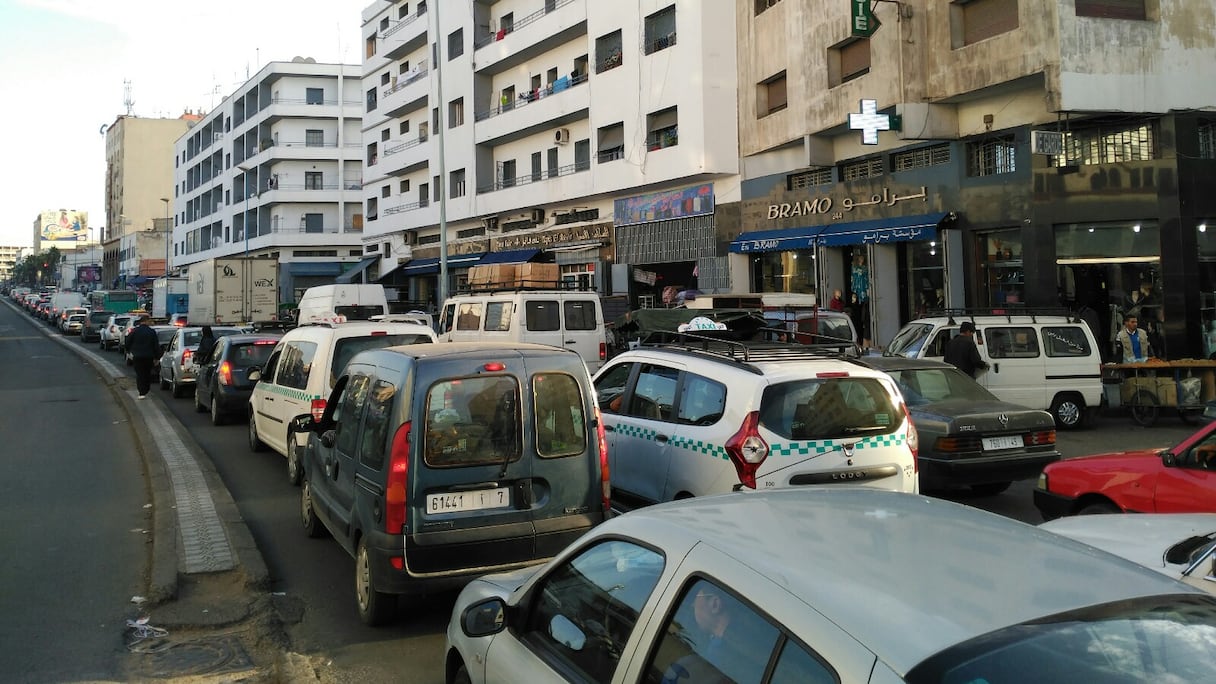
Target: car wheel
{"points": [[1144, 408], [255, 443], [312, 526], [1069, 411], [990, 488], [217, 416], [199, 406], [164, 384], [462, 675], [178, 390], [375, 608], [295, 471], [1101, 508]]}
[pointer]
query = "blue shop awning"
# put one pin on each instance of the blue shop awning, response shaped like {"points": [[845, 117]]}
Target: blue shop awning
{"points": [[894, 229], [312, 268], [431, 266], [138, 280], [513, 256], [355, 271]]}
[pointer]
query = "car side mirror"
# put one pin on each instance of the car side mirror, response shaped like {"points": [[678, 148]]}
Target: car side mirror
{"points": [[254, 374], [328, 439], [304, 423], [486, 617], [1168, 459]]}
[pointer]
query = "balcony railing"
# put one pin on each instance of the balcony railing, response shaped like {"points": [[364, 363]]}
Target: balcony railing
{"points": [[661, 43], [550, 6], [525, 98], [302, 101], [610, 154], [403, 23], [406, 145], [504, 183], [411, 206], [664, 137], [405, 79]]}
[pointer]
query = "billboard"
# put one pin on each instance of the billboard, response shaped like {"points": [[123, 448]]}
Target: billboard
{"points": [[64, 225]]}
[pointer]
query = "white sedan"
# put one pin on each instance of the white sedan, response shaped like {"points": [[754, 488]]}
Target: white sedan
{"points": [[829, 586], [177, 368]]}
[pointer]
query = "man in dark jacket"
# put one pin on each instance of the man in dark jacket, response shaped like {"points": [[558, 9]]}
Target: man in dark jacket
{"points": [[962, 352], [206, 345], [144, 346]]}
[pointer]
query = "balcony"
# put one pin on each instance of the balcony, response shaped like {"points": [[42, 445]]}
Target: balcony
{"points": [[505, 195], [405, 35], [276, 192], [300, 108], [404, 156], [559, 103], [555, 23], [406, 92]]}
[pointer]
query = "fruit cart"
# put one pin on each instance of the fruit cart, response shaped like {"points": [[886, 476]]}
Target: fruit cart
{"points": [[1149, 388]]}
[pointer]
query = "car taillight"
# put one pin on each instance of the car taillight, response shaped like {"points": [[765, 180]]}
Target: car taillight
{"points": [[1043, 437], [396, 488], [225, 373], [913, 439], [601, 440], [957, 444], [603, 351], [187, 354], [747, 449], [318, 409]]}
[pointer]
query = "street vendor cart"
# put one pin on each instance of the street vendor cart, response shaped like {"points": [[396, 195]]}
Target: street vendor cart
{"points": [[1149, 388]]}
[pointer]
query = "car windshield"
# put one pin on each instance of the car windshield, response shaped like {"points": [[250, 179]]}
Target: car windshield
{"points": [[930, 385], [816, 409], [248, 354], [1154, 639], [166, 335], [907, 342]]}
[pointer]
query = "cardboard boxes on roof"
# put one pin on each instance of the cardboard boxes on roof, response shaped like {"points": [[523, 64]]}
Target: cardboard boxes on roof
{"points": [[492, 276]]}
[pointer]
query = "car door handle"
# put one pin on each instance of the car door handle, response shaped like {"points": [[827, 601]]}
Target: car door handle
{"points": [[996, 368], [609, 428], [661, 438], [571, 342], [269, 398]]}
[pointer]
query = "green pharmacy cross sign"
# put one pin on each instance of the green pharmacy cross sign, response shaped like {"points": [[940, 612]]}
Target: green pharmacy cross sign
{"points": [[862, 21]]}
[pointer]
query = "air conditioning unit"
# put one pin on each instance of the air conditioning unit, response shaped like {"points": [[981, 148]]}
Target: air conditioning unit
{"points": [[561, 136], [538, 215], [410, 238]]}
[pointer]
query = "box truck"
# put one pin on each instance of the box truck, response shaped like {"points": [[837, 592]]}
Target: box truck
{"points": [[232, 290], [170, 296]]}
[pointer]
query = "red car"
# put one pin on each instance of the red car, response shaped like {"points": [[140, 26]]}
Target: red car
{"points": [[1181, 479]]}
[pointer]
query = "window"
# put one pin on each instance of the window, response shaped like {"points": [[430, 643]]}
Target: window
{"points": [[542, 316], [424, 195], [611, 142], [384, 78], [580, 315], [1011, 342], [314, 96], [455, 44], [371, 100], [1109, 144], [807, 179], [456, 180], [991, 156], [1065, 341], [536, 166], [582, 154], [608, 52], [313, 180], [313, 223], [346, 418], [770, 95], [1207, 139], [662, 130], [506, 24], [922, 157], [404, 186], [587, 608], [552, 162], [1112, 9], [847, 61], [762, 5], [373, 154], [862, 168], [561, 426], [975, 20], [702, 401], [404, 127], [386, 191], [472, 421], [314, 138], [654, 393], [456, 112], [826, 408], [661, 30], [369, 49], [507, 173], [295, 363], [435, 185], [498, 316]]}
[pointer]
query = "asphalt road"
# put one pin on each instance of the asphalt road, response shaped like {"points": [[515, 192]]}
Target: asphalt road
{"points": [[44, 388]]}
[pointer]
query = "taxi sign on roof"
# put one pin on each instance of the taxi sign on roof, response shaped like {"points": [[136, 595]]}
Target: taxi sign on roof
{"points": [[700, 323]]}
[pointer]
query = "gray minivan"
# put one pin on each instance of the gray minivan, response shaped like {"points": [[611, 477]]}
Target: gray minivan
{"points": [[435, 463]]}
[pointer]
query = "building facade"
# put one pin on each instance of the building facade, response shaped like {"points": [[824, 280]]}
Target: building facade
{"points": [[1020, 156], [274, 172], [139, 177], [9, 256], [598, 136]]}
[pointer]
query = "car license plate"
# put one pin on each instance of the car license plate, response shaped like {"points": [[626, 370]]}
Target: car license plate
{"points": [[994, 443], [468, 501]]}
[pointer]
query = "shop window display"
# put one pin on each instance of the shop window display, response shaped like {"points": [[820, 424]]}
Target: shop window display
{"points": [[1001, 268], [787, 271]]}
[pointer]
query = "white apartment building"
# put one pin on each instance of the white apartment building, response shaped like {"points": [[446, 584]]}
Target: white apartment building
{"points": [[600, 136], [274, 172]]}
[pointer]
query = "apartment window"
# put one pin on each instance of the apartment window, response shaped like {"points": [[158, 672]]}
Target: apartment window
{"points": [[403, 67], [762, 5], [552, 162], [975, 20], [386, 134], [386, 191], [862, 168], [506, 24], [373, 154], [662, 129], [770, 95], [661, 30], [403, 11], [536, 166], [384, 79], [404, 127], [582, 154], [921, 158], [1112, 9], [455, 44], [456, 180], [551, 76], [611, 143], [314, 223], [314, 96], [507, 98], [808, 179], [384, 24], [404, 186], [506, 172], [991, 156], [371, 100], [435, 185], [435, 118], [370, 49], [456, 112], [1109, 144], [847, 61], [314, 138], [424, 194], [313, 180], [580, 68], [608, 52], [373, 210], [1207, 139]]}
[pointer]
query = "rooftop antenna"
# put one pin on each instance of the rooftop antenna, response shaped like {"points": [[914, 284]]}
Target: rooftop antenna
{"points": [[126, 96]]}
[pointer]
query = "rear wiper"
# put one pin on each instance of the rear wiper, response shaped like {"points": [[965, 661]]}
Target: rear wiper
{"points": [[856, 430]]}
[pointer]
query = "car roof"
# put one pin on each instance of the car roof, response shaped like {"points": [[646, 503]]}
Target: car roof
{"points": [[994, 319], [801, 362], [898, 363], [245, 338], [905, 575]]}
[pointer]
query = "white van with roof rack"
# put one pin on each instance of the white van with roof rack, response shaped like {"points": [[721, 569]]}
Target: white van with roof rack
{"points": [[1043, 359]]}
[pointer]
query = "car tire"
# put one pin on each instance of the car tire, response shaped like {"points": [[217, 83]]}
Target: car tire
{"points": [[1101, 508], [217, 416], [375, 608], [1144, 408], [255, 442], [295, 465], [164, 384], [1069, 411], [990, 488], [199, 406], [175, 388], [312, 525], [462, 675]]}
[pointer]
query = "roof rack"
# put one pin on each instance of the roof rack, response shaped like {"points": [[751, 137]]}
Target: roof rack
{"points": [[748, 352], [1006, 311], [517, 285], [271, 326]]}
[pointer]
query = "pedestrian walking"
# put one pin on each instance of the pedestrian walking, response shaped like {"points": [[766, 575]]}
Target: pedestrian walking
{"points": [[144, 346], [962, 353]]}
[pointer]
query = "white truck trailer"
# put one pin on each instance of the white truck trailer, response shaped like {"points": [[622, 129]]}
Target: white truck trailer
{"points": [[230, 290]]}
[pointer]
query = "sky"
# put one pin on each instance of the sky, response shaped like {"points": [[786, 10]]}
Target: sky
{"points": [[63, 64]]}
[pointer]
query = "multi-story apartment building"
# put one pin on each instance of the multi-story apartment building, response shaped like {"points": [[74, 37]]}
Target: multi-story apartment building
{"points": [[274, 172], [9, 256], [1029, 153], [139, 173], [599, 136]]}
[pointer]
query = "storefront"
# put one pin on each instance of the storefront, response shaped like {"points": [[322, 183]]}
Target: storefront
{"points": [[582, 253]]}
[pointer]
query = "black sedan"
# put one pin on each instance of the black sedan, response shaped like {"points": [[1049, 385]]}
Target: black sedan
{"points": [[223, 385], [968, 437]]}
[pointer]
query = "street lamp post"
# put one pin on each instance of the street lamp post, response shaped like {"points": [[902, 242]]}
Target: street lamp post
{"points": [[168, 236], [246, 304]]}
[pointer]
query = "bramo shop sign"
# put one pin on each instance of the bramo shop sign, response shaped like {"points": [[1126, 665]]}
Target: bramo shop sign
{"points": [[819, 205]]}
